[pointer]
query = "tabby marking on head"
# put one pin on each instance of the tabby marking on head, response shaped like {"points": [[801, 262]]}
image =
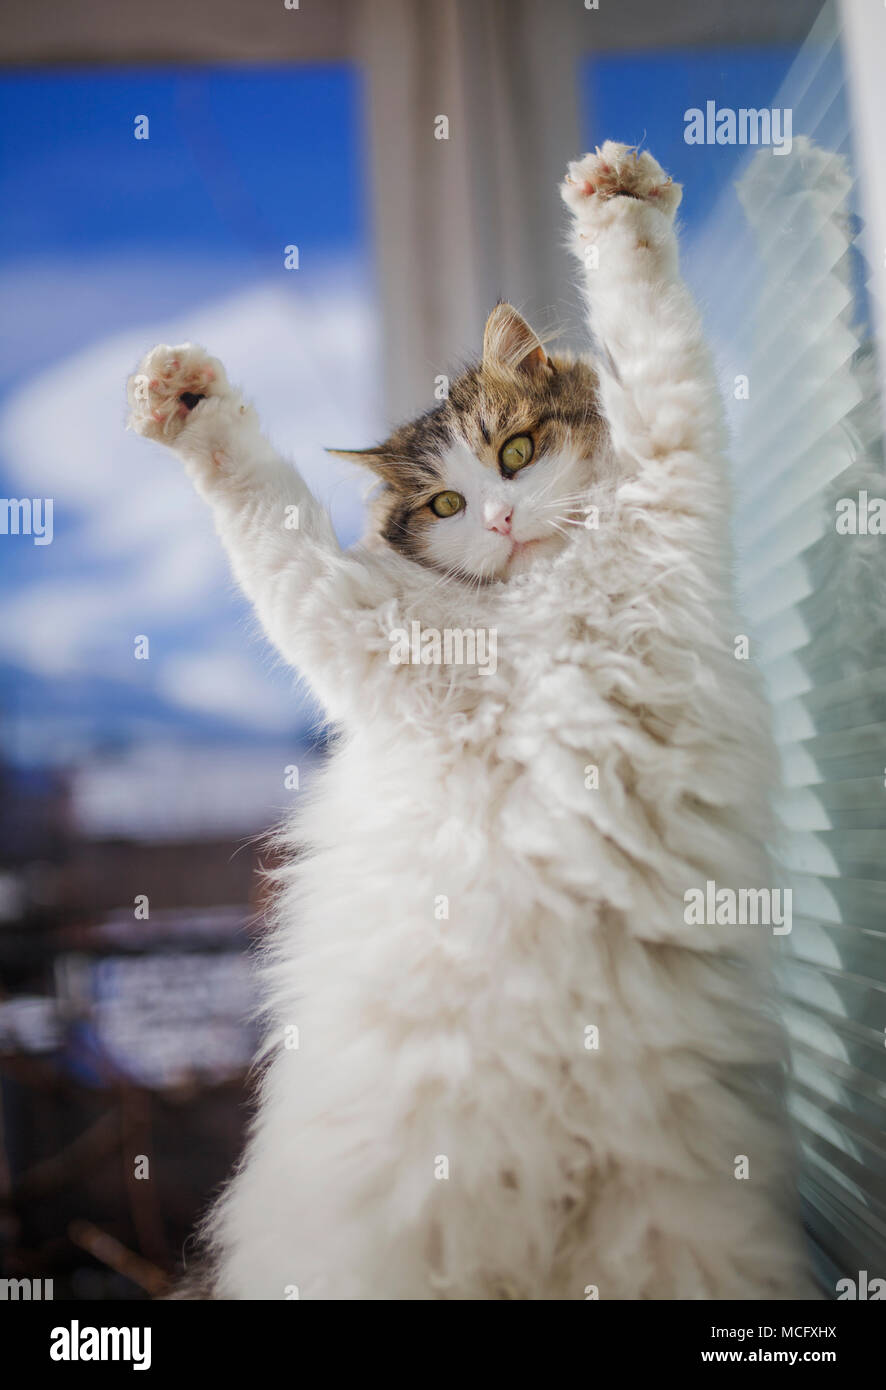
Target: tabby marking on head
{"points": [[487, 482]]}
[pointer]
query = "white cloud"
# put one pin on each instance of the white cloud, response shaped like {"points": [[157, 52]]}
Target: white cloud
{"points": [[223, 682]]}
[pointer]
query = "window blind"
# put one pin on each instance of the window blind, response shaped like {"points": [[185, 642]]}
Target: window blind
{"points": [[809, 472]]}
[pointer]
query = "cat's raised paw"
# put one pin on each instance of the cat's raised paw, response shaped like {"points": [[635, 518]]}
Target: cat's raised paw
{"points": [[169, 384], [618, 171]]}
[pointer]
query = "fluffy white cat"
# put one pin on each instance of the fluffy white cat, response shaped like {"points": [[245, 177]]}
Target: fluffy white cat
{"points": [[520, 1072]]}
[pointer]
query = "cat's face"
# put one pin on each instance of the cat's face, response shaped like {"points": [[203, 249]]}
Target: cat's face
{"points": [[493, 478]]}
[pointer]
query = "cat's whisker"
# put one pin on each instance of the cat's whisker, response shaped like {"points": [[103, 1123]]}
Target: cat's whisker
{"points": [[547, 487], [576, 501]]}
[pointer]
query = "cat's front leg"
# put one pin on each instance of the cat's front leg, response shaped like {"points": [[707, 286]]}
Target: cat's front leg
{"points": [[657, 383], [279, 540], [181, 397]]}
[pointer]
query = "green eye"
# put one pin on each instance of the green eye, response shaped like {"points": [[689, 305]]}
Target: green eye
{"points": [[517, 453], [446, 503]]}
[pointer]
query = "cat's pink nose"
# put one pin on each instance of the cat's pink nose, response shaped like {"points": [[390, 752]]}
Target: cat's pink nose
{"points": [[498, 518]]}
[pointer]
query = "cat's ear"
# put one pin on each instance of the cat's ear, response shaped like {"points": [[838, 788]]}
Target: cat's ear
{"points": [[379, 460], [510, 343], [368, 458]]}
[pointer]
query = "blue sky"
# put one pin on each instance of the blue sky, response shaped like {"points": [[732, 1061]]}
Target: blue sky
{"points": [[250, 157], [238, 164]]}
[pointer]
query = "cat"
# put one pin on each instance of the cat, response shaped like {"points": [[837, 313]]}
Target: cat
{"points": [[522, 1070]]}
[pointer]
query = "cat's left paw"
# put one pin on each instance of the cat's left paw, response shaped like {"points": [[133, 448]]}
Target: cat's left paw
{"points": [[169, 384], [615, 172]]}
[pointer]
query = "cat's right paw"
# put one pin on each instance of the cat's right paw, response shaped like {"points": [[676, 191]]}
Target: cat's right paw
{"points": [[615, 172], [169, 384]]}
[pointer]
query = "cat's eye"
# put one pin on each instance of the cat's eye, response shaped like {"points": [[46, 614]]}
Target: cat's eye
{"points": [[446, 503], [516, 453]]}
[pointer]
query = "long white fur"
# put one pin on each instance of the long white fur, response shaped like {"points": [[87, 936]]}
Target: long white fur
{"points": [[433, 1045]]}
